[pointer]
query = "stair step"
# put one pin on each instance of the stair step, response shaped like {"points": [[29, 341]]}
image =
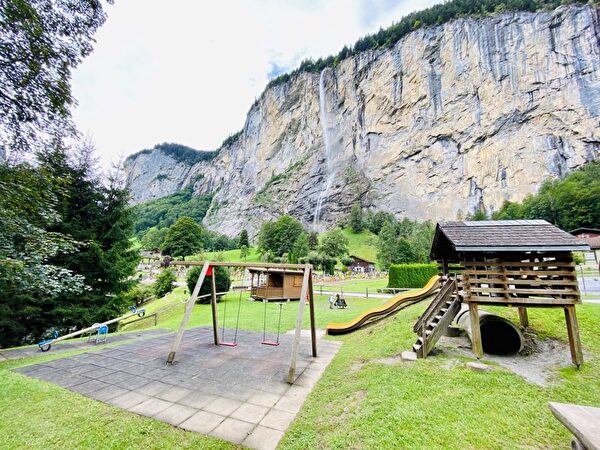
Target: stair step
{"points": [[438, 318], [416, 348]]}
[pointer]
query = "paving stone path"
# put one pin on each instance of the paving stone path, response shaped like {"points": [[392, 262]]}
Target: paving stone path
{"points": [[75, 344], [234, 393]]}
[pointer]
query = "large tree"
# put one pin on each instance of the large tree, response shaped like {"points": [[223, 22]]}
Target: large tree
{"points": [[29, 277], [42, 41], [278, 237], [95, 212], [184, 238], [333, 243]]}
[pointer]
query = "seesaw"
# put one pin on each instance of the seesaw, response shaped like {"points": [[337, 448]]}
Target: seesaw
{"points": [[101, 327]]}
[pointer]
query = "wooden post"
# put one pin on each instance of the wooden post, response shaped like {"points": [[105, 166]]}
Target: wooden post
{"points": [[475, 331], [213, 306], [313, 326], [573, 332], [523, 318], [296, 342], [189, 306]]}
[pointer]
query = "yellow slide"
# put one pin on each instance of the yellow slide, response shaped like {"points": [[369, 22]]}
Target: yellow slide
{"points": [[394, 305]]}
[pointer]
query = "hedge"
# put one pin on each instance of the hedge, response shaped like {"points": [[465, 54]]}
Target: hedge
{"points": [[410, 275]]}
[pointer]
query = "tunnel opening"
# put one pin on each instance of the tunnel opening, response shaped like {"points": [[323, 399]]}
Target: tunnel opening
{"points": [[499, 337]]}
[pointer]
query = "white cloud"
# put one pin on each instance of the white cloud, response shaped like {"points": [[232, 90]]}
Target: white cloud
{"points": [[187, 71]]}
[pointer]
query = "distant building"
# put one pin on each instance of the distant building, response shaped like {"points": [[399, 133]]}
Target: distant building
{"points": [[361, 264], [590, 236]]}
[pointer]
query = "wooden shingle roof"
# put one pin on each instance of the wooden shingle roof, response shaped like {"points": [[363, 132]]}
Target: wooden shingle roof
{"points": [[501, 236]]}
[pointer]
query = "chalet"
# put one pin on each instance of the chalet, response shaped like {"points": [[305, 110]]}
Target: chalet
{"points": [[361, 264], [591, 237], [275, 284]]}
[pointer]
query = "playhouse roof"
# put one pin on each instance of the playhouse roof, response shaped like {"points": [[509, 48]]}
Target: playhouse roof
{"points": [[452, 238], [271, 270]]}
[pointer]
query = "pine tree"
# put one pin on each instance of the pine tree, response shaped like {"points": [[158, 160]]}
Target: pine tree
{"points": [[243, 239]]}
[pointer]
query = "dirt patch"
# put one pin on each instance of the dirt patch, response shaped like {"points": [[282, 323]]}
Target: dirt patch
{"points": [[537, 363]]}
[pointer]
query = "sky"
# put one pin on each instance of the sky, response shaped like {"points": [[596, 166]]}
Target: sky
{"points": [[187, 71]]}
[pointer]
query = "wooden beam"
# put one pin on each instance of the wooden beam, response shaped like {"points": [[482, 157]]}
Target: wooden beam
{"points": [[523, 317], [573, 332], [297, 334], [475, 331], [313, 325], [213, 307], [258, 265], [188, 312]]}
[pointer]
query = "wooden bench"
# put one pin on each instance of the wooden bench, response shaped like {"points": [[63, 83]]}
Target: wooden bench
{"points": [[582, 421]]}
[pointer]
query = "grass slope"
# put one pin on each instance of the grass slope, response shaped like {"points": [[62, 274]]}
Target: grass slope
{"points": [[438, 402], [361, 244]]}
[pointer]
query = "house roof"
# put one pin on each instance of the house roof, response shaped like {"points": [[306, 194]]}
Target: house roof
{"points": [[452, 238], [593, 242], [269, 270], [362, 259], [585, 230]]}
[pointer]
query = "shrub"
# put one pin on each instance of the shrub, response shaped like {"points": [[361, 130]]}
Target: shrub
{"points": [[410, 275], [139, 294], [164, 283], [222, 281]]}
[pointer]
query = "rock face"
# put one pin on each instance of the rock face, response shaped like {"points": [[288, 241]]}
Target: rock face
{"points": [[452, 119]]}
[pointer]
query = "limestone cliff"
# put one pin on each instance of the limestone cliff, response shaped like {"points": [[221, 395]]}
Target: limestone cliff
{"points": [[451, 119]]}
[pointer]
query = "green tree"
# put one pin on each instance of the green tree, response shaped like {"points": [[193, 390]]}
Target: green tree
{"points": [[222, 281], [244, 252], [279, 236], [153, 238], [568, 203], [356, 218], [41, 43], [96, 213], [243, 239], [164, 282], [313, 240], [333, 243], [29, 278], [301, 247], [184, 238]]}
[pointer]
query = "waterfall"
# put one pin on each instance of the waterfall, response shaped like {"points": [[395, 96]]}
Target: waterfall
{"points": [[328, 151]]}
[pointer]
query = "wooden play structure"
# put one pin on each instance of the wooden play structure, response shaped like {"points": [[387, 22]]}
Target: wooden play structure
{"points": [[521, 263], [306, 292], [275, 284]]}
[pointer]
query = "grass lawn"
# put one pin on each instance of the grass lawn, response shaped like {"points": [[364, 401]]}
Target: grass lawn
{"points": [[251, 313], [438, 402], [354, 285], [359, 402]]}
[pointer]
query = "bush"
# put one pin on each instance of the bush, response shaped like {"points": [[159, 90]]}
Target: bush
{"points": [[222, 281], [411, 275], [164, 283], [139, 294]]}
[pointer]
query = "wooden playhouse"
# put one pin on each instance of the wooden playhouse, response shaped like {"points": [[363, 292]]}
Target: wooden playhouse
{"points": [[521, 263], [275, 284]]}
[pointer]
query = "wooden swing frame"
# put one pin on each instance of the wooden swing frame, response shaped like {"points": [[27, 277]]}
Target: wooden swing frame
{"points": [[306, 294]]}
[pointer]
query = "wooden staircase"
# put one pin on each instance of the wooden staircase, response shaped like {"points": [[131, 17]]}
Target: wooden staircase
{"points": [[436, 318]]}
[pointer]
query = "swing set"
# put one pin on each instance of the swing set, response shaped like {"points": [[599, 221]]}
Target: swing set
{"points": [[207, 271]]}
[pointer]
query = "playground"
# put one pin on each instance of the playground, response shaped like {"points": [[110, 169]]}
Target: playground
{"points": [[233, 393], [265, 374]]}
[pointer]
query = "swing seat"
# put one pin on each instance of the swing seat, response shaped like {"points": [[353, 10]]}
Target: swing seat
{"points": [[228, 344], [271, 343]]}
